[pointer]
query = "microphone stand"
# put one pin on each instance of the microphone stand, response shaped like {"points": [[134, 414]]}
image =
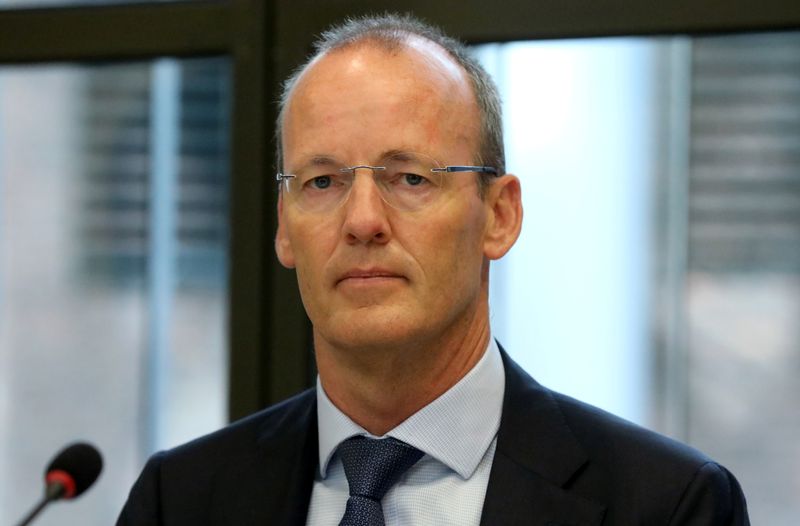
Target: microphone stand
{"points": [[52, 492]]}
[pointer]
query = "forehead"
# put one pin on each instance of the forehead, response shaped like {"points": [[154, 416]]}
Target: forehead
{"points": [[364, 99]]}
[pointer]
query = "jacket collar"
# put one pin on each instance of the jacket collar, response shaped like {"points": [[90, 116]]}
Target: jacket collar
{"points": [[537, 457]]}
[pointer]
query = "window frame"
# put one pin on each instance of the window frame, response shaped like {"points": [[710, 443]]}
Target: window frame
{"points": [[269, 334]]}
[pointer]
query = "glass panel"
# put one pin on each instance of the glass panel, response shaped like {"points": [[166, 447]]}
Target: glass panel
{"points": [[743, 293], [113, 242], [661, 246]]}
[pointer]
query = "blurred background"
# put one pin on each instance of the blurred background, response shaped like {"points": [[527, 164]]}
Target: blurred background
{"points": [[141, 304]]}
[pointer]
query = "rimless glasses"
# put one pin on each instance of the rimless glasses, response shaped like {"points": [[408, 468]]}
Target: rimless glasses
{"points": [[406, 181]]}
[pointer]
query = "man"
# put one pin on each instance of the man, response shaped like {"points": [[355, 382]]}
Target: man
{"points": [[393, 200]]}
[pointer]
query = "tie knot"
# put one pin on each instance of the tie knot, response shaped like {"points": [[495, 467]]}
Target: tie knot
{"points": [[373, 465]]}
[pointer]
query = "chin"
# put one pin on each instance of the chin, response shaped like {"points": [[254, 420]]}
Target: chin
{"points": [[373, 330]]}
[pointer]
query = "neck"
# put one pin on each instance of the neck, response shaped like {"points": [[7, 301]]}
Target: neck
{"points": [[380, 387]]}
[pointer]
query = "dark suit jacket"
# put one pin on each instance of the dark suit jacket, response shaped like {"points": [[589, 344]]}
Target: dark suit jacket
{"points": [[558, 462]]}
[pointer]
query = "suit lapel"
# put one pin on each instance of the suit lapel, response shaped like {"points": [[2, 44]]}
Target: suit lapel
{"points": [[536, 457]]}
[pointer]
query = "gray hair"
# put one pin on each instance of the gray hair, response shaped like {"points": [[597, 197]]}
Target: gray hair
{"points": [[391, 32]]}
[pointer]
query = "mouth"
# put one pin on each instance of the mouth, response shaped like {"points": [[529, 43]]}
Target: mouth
{"points": [[367, 276]]}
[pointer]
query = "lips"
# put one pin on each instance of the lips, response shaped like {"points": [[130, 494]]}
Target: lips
{"points": [[368, 274]]}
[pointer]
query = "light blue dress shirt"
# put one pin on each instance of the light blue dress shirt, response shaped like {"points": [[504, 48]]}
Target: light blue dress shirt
{"points": [[457, 432]]}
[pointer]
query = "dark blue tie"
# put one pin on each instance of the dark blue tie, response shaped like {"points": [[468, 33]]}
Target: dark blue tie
{"points": [[372, 466]]}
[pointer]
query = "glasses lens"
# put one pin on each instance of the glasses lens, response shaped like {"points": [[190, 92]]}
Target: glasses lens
{"points": [[409, 182], [320, 186], [406, 181]]}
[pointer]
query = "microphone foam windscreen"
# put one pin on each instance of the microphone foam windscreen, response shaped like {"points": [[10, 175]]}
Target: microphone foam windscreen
{"points": [[81, 461]]}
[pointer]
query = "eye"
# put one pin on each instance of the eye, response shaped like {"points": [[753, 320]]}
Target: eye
{"points": [[413, 179], [321, 182]]}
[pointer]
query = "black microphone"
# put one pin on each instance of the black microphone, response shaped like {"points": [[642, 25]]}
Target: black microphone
{"points": [[69, 474]]}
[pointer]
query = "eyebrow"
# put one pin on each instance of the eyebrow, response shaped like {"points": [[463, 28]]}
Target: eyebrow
{"points": [[398, 155], [319, 160], [327, 160], [316, 160]]}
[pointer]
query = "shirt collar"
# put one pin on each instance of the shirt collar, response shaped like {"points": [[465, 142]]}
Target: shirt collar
{"points": [[455, 429]]}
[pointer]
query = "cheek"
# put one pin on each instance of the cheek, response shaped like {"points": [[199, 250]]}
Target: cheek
{"points": [[313, 244], [452, 254]]}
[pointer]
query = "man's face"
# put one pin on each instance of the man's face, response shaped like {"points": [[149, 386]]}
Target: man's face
{"points": [[371, 275]]}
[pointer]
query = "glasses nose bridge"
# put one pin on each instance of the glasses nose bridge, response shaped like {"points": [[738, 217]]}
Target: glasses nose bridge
{"points": [[374, 170]]}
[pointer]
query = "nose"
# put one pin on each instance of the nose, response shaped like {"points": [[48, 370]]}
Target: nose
{"points": [[365, 219]]}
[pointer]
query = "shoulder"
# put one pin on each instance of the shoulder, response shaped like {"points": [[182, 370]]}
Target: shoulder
{"points": [[607, 436], [638, 475], [602, 436], [225, 472], [641, 473]]}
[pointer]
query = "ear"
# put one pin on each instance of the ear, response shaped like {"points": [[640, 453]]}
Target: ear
{"points": [[504, 221], [283, 246]]}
